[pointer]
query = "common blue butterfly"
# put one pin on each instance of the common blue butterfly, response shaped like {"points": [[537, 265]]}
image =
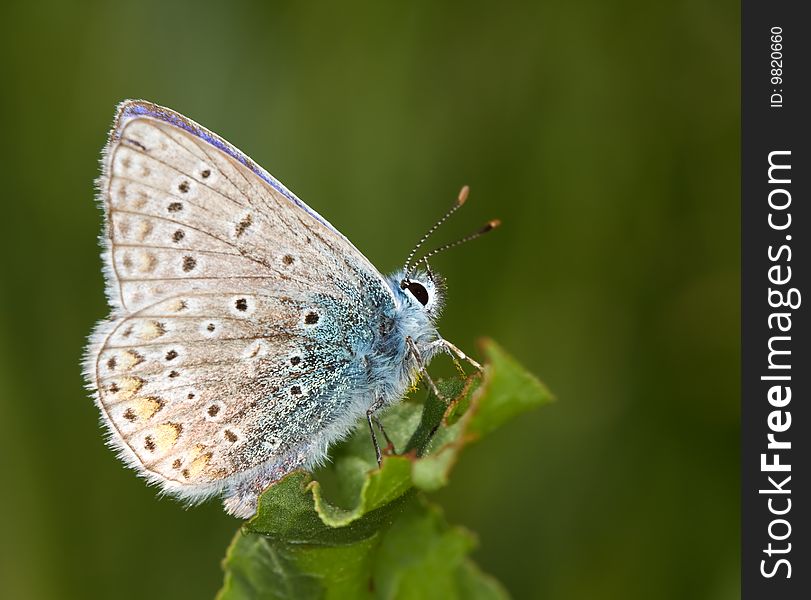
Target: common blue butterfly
{"points": [[247, 334]]}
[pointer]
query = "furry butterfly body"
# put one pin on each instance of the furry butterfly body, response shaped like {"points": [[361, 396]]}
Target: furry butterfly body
{"points": [[246, 333]]}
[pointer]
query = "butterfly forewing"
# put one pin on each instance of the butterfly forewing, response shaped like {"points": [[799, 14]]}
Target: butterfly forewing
{"points": [[231, 310], [182, 211]]}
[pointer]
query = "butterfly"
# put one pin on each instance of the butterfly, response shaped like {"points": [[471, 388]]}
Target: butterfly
{"points": [[246, 333]]}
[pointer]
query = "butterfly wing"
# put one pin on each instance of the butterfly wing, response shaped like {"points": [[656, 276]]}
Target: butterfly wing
{"points": [[238, 312]]}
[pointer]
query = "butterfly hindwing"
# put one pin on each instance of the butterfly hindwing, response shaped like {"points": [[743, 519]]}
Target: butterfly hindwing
{"points": [[198, 393]]}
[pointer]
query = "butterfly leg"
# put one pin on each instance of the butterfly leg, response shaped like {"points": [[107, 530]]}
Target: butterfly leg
{"points": [[421, 367], [454, 350], [390, 445], [371, 419]]}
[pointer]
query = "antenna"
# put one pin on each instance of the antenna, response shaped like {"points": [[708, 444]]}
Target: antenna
{"points": [[490, 226], [460, 200]]}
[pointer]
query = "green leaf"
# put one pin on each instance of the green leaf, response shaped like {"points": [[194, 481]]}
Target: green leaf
{"points": [[353, 530]]}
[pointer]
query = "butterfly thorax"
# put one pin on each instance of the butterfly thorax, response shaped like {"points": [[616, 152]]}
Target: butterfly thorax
{"points": [[391, 364]]}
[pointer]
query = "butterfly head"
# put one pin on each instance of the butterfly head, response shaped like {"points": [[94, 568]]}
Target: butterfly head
{"points": [[422, 289]]}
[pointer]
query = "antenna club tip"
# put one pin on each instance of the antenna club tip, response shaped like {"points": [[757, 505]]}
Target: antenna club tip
{"points": [[490, 226], [463, 194]]}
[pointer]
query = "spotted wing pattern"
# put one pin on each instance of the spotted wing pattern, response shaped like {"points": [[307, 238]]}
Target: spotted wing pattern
{"points": [[237, 311]]}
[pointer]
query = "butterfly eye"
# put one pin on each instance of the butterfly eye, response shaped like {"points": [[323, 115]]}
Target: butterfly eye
{"points": [[418, 291]]}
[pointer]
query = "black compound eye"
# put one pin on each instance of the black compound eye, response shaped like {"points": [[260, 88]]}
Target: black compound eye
{"points": [[418, 291]]}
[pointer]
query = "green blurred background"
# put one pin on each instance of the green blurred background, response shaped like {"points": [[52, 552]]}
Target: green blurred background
{"points": [[605, 136]]}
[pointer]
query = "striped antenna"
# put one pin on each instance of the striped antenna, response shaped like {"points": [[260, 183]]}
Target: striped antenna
{"points": [[490, 226]]}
